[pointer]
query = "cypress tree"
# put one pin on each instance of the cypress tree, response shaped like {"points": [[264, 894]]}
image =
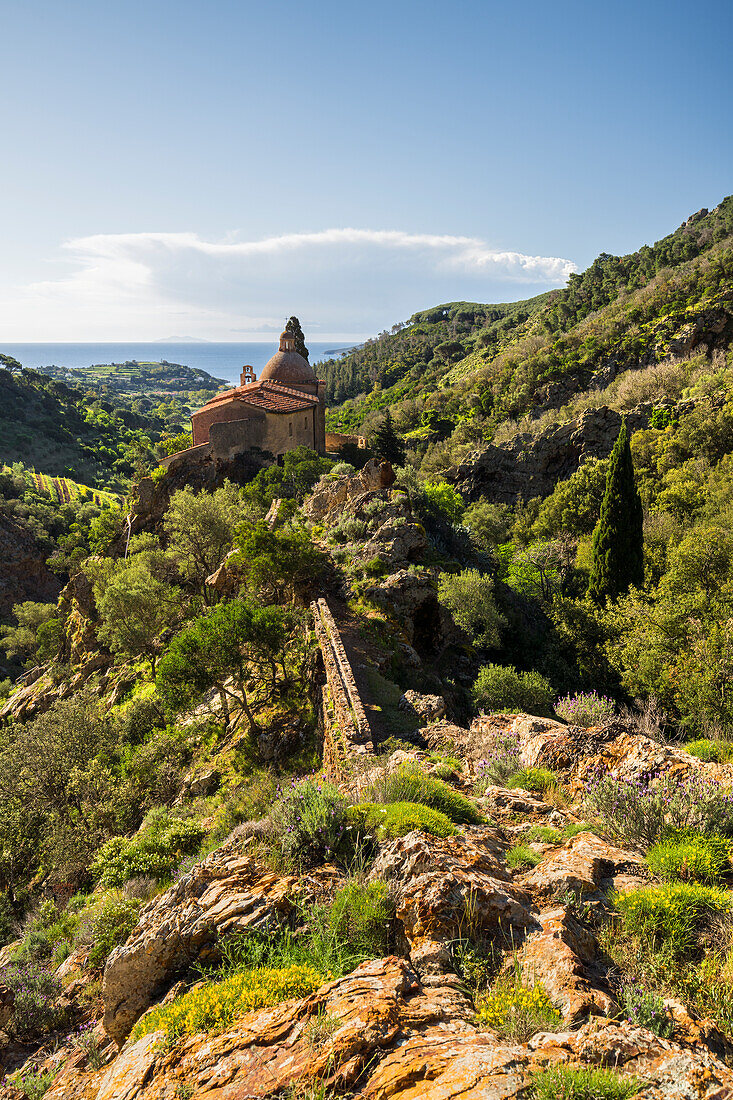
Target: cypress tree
{"points": [[618, 540], [293, 325], [387, 444]]}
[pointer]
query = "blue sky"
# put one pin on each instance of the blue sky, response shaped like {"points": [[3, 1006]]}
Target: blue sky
{"points": [[204, 169]]}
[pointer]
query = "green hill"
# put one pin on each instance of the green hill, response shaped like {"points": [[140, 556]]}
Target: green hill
{"points": [[67, 432], [137, 378], [478, 365]]}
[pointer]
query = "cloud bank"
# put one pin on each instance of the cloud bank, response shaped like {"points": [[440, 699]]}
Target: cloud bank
{"points": [[136, 286]]}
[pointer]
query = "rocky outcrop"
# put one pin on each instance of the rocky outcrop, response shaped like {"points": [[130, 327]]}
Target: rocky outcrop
{"points": [[563, 956], [477, 1066], [412, 599], [587, 867], [529, 467], [23, 571], [443, 886], [332, 496], [226, 893], [373, 1010]]}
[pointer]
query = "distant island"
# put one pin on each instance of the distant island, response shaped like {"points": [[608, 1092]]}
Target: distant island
{"points": [[181, 340]]}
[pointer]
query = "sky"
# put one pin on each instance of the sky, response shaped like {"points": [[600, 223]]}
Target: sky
{"points": [[205, 169]]}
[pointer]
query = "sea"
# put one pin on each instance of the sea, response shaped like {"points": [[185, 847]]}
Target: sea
{"points": [[220, 360]]}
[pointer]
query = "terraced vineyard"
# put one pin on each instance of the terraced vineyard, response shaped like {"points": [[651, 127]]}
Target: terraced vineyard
{"points": [[63, 490]]}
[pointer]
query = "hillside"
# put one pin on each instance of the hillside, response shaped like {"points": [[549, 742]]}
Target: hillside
{"points": [[62, 431], [622, 313], [327, 780], [305, 847], [136, 379]]}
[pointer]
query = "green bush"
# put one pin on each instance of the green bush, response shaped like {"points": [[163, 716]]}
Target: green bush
{"points": [[36, 1009], [360, 917], [578, 1083], [111, 926], [692, 858], [409, 784], [469, 596], [538, 780], [156, 851], [544, 833], [394, 819], [310, 821], [517, 1011], [711, 752], [672, 914], [645, 1009], [45, 932], [520, 856], [574, 828], [32, 1083], [503, 688]]}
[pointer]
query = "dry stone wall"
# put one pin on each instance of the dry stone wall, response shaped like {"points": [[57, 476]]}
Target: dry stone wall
{"points": [[346, 730]]}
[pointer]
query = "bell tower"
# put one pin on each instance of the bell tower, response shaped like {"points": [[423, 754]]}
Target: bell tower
{"points": [[248, 375]]}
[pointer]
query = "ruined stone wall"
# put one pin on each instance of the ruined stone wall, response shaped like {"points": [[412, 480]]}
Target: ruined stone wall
{"points": [[335, 441], [346, 731]]}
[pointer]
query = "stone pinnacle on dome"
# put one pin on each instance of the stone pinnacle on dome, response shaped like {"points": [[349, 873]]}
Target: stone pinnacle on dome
{"points": [[287, 365]]}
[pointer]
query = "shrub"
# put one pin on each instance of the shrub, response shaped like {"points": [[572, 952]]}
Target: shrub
{"points": [[577, 1083], [691, 858], [397, 818], [155, 850], [87, 1040], [503, 758], [503, 688], [44, 931], [672, 914], [520, 856], [711, 752], [644, 809], [409, 784], [310, 820], [33, 1083], [36, 990], [544, 833], [517, 1011], [587, 708], [538, 780], [215, 1005], [469, 596], [109, 926], [360, 917], [646, 1009]]}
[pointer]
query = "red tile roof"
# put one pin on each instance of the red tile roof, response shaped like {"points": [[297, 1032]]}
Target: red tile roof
{"points": [[271, 396]]}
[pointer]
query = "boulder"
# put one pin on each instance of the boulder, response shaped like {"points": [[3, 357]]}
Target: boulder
{"points": [[587, 867], [225, 893], [477, 1066], [443, 886], [327, 501], [426, 708], [562, 956]]}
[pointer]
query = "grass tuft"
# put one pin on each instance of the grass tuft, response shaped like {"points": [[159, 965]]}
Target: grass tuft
{"points": [[579, 1083], [691, 858]]}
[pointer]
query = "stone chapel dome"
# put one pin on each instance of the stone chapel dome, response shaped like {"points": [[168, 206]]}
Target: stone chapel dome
{"points": [[286, 365]]}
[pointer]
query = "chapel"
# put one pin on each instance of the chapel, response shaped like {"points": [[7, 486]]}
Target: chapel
{"points": [[282, 409]]}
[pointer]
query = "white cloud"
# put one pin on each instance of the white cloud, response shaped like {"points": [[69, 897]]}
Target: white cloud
{"points": [[140, 285]]}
